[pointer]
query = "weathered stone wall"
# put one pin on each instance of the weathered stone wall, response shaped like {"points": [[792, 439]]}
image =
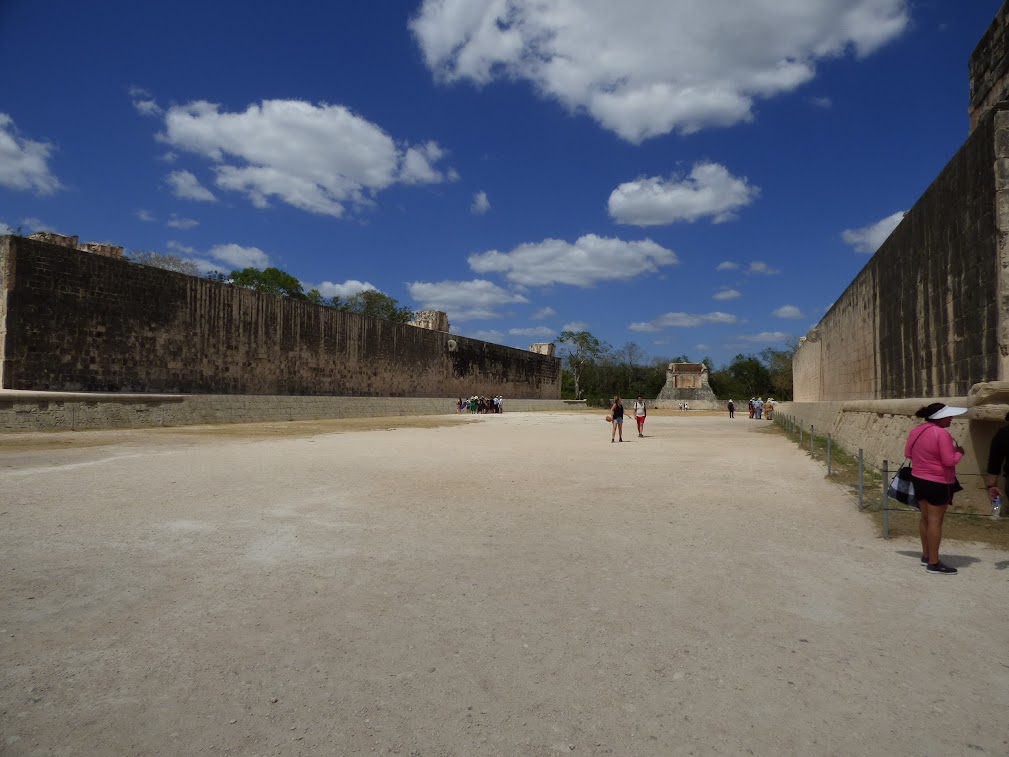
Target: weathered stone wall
{"points": [[806, 384], [989, 68], [922, 318], [80, 322]]}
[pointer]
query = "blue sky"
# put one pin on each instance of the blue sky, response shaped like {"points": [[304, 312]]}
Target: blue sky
{"points": [[700, 177]]}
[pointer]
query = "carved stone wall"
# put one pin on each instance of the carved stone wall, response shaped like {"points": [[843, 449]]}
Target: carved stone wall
{"points": [[433, 320], [76, 322]]}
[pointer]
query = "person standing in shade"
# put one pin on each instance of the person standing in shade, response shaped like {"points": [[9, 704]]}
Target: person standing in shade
{"points": [[617, 413], [934, 456], [998, 460], [732, 409], [640, 413]]}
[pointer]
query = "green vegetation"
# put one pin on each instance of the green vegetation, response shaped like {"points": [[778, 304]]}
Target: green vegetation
{"points": [[595, 371]]}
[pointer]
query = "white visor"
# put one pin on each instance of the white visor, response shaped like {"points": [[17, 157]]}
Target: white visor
{"points": [[947, 412]]}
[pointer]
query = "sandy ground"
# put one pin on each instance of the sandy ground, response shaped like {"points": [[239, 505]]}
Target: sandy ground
{"points": [[508, 585]]}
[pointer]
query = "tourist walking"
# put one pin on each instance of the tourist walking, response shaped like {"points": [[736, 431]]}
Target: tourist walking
{"points": [[934, 456], [640, 413], [752, 408], [617, 414], [732, 409]]}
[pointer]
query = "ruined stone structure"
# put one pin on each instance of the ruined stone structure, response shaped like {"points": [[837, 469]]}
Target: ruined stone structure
{"points": [[81, 322], [543, 348], [433, 320], [928, 316], [687, 382], [71, 242]]}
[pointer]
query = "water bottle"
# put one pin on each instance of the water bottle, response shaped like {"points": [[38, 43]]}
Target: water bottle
{"points": [[996, 506]]}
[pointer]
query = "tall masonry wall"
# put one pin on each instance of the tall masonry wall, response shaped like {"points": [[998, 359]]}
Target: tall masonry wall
{"points": [[922, 319], [75, 321]]}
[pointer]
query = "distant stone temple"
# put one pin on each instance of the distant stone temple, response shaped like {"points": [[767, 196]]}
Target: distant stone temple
{"points": [[543, 348], [687, 382]]}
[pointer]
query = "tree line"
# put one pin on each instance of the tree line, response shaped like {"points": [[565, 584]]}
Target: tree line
{"points": [[594, 371], [271, 280]]}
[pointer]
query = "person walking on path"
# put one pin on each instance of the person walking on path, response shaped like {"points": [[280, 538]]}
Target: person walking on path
{"points": [[998, 460], [732, 409], [934, 456], [640, 413], [617, 413], [752, 408]]}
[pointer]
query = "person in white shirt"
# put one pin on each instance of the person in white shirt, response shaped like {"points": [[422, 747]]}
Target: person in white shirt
{"points": [[640, 412]]}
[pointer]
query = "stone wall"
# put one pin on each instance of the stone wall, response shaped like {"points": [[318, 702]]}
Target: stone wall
{"points": [[51, 411], [989, 68], [923, 317], [80, 322]]}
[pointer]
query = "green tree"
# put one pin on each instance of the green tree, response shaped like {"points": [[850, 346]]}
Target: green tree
{"points": [[164, 260], [580, 351], [269, 281], [376, 304]]}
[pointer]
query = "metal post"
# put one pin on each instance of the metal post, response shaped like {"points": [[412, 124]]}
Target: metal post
{"points": [[810, 439], [861, 501], [828, 453], [886, 500], [800, 434]]}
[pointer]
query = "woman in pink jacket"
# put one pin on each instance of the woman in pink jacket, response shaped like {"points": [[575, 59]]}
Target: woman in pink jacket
{"points": [[934, 456]]}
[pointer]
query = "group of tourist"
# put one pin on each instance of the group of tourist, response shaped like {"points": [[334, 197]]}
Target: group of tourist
{"points": [[482, 405], [759, 409]]}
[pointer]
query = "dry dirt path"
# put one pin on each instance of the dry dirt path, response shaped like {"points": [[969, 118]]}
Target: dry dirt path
{"points": [[511, 585]]}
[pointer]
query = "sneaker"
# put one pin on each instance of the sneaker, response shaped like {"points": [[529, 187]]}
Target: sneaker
{"points": [[924, 560], [941, 569]]}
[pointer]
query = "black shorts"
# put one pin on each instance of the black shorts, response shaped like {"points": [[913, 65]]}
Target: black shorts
{"points": [[934, 492]]}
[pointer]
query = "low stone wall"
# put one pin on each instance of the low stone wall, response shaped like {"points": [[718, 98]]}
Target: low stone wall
{"points": [[880, 427], [57, 411]]}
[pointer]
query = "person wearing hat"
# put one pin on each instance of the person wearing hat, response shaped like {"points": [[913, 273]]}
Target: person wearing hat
{"points": [[934, 455]]}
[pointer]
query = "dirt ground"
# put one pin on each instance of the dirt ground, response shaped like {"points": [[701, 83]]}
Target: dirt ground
{"points": [[500, 585]]}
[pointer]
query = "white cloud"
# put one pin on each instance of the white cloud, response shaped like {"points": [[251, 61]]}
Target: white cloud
{"points": [[765, 336], [709, 191], [144, 104], [318, 158], [177, 222], [589, 260], [144, 215], [542, 313], [821, 102], [180, 248], [575, 326], [36, 224], [464, 300], [347, 289], [726, 294], [869, 238], [186, 186], [24, 163], [642, 68], [240, 257], [727, 265], [683, 320], [538, 331], [759, 266], [480, 203], [789, 311]]}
